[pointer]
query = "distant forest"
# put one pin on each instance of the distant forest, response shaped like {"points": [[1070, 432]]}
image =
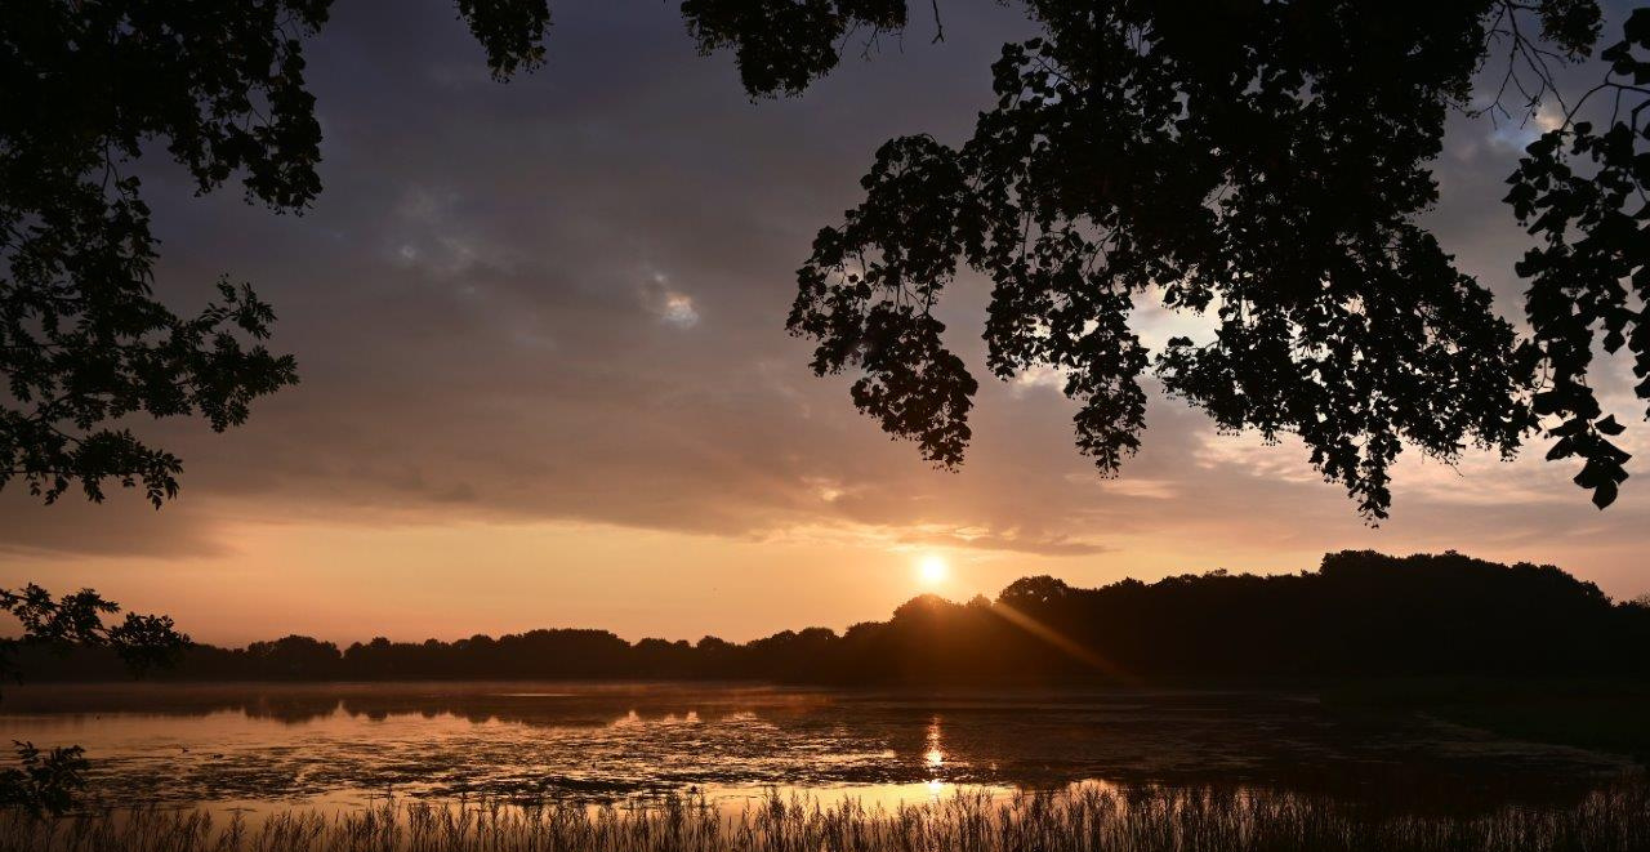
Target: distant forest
{"points": [[1361, 614]]}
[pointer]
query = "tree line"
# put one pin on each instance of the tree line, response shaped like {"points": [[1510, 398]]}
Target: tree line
{"points": [[1360, 614]]}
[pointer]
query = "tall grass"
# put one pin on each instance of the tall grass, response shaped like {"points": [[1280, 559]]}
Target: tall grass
{"points": [[1086, 819]]}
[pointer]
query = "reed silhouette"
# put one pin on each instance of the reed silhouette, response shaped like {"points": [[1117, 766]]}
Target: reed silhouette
{"points": [[1079, 820]]}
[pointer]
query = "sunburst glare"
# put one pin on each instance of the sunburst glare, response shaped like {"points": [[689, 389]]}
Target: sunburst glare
{"points": [[932, 570]]}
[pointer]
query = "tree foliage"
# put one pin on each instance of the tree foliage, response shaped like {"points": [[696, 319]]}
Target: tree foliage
{"points": [[784, 46], [511, 31], [1264, 165], [1261, 164], [86, 90], [46, 782], [43, 782], [1580, 190], [142, 642]]}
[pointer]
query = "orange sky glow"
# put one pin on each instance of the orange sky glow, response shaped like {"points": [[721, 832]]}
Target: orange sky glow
{"points": [[545, 381]]}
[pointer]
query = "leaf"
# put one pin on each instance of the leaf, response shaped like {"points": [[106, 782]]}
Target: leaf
{"points": [[1604, 495], [1637, 28], [1594, 474]]}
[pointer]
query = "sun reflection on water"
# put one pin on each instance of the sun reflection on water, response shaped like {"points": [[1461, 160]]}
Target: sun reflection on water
{"points": [[935, 755]]}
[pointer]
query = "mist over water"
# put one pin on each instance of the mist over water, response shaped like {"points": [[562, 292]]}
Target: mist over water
{"points": [[267, 747]]}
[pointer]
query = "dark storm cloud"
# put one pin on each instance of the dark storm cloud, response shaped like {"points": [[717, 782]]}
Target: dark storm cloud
{"points": [[563, 299]]}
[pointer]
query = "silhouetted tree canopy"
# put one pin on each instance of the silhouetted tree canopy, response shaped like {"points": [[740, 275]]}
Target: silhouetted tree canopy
{"points": [[784, 46], [1580, 189], [86, 89], [46, 782], [1263, 164]]}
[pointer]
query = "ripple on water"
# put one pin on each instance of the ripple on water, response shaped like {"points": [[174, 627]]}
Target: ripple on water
{"points": [[254, 746]]}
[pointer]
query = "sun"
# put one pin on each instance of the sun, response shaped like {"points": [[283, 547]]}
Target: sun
{"points": [[932, 570]]}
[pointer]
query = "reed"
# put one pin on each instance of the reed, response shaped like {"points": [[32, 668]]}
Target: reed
{"points": [[1083, 819]]}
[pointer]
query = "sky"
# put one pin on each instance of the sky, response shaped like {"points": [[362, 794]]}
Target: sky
{"points": [[546, 382]]}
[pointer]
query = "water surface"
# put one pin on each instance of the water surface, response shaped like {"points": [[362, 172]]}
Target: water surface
{"points": [[260, 746]]}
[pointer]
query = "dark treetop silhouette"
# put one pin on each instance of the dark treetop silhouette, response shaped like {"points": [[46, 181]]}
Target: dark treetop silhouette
{"points": [[1264, 162], [1360, 615]]}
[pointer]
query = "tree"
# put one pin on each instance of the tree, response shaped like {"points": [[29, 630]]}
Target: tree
{"points": [[1260, 163], [1592, 260], [47, 782], [1263, 163], [86, 88]]}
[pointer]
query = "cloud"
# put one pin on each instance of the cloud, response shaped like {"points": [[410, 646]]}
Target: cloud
{"points": [[125, 526], [502, 306], [672, 307]]}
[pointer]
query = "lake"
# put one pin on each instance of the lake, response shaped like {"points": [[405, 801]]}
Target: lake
{"points": [[260, 747]]}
